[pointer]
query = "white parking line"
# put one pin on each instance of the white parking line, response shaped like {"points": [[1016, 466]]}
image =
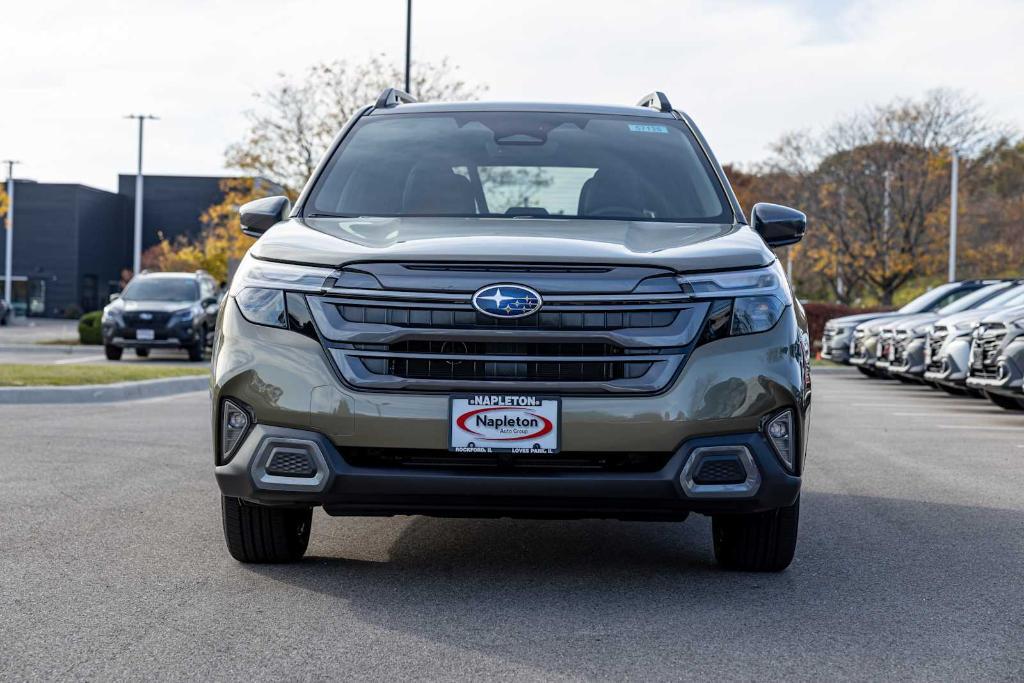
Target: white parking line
{"points": [[982, 428], [82, 359]]}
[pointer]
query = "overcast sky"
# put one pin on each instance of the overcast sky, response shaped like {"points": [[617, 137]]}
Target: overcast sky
{"points": [[746, 71]]}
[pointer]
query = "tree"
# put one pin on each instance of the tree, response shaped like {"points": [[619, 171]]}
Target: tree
{"points": [[3, 204], [221, 241], [876, 189], [297, 118]]}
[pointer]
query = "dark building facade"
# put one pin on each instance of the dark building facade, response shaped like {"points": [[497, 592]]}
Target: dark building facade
{"points": [[72, 242]]}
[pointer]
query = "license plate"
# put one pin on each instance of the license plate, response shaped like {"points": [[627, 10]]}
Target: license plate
{"points": [[501, 423], [145, 335]]}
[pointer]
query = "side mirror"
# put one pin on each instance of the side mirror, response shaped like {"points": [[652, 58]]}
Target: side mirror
{"points": [[114, 297], [209, 301], [258, 216], [778, 225]]}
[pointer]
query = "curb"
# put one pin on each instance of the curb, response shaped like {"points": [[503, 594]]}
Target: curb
{"points": [[104, 393]]}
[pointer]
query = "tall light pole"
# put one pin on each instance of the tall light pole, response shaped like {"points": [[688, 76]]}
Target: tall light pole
{"points": [[954, 181], [408, 46], [137, 248], [9, 239]]}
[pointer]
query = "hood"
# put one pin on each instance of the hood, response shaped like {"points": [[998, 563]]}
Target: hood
{"points": [[1005, 315], [972, 316], [679, 246], [150, 306], [859, 318], [917, 320]]}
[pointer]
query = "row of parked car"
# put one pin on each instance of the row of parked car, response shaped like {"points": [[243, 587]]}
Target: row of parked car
{"points": [[963, 337]]}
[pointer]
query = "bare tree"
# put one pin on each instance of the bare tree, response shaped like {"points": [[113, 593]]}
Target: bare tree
{"points": [[296, 118]]}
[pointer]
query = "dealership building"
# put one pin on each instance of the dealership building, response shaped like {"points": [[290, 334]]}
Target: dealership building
{"points": [[72, 242]]}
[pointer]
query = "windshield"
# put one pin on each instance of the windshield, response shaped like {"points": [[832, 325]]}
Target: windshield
{"points": [[1013, 296], [973, 300], [520, 164], [161, 289], [942, 295]]}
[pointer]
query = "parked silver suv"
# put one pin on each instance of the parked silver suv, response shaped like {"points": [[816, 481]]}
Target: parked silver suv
{"points": [[529, 310]]}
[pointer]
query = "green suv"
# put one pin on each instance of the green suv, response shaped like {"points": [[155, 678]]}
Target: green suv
{"points": [[513, 310]]}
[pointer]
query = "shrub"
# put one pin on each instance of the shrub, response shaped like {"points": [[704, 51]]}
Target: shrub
{"points": [[819, 314], [89, 328]]}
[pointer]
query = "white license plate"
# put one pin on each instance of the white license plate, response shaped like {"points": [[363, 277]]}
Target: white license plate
{"points": [[501, 423], [145, 335]]}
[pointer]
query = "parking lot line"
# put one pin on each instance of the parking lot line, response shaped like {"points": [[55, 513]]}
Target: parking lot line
{"points": [[982, 428]]}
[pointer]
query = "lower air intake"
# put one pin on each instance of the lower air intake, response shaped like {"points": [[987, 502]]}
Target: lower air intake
{"points": [[722, 469], [284, 463]]}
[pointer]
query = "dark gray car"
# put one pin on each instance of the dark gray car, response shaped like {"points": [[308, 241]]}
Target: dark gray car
{"points": [[526, 310]]}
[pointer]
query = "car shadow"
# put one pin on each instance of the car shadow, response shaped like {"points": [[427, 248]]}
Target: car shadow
{"points": [[936, 584]]}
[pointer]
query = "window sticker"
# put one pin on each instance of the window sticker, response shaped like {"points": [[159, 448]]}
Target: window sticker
{"points": [[647, 128]]}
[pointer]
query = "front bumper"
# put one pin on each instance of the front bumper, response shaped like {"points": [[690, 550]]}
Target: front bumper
{"points": [[953, 356], [724, 391], [837, 348], [911, 364], [344, 489], [178, 336]]}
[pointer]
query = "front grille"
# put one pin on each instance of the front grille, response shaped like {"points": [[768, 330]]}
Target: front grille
{"points": [[585, 339], [156, 318], [899, 350], [447, 318], [450, 364], [935, 341], [394, 458], [985, 351]]}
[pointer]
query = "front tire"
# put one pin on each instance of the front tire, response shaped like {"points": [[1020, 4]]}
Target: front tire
{"points": [[262, 534], [1006, 402], [197, 350], [112, 352], [759, 542]]}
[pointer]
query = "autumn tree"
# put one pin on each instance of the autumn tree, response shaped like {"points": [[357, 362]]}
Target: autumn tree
{"points": [[296, 119], [219, 244], [875, 186]]}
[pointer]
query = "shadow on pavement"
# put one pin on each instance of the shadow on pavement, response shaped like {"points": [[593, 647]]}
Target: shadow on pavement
{"points": [[931, 586]]}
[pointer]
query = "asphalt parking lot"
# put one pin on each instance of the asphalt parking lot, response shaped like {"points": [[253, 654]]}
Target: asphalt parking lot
{"points": [[909, 565]]}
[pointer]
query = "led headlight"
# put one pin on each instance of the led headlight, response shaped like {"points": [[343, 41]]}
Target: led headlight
{"points": [[111, 315], [183, 316], [759, 297], [1019, 323], [259, 288]]}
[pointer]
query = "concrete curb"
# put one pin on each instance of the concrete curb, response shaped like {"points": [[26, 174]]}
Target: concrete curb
{"points": [[104, 393]]}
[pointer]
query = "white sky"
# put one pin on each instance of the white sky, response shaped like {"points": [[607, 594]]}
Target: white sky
{"points": [[746, 71]]}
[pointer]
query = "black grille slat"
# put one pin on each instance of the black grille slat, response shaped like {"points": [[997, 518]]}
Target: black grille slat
{"points": [[456, 319], [290, 464], [565, 461]]}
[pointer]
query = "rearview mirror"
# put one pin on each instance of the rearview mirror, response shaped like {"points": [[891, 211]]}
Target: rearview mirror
{"points": [[260, 215], [778, 225]]}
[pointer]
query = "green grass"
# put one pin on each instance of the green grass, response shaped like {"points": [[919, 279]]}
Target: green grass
{"points": [[72, 375]]}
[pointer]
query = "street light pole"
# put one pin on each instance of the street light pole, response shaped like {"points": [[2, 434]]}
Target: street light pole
{"points": [[408, 46], [9, 239], [954, 182], [137, 248]]}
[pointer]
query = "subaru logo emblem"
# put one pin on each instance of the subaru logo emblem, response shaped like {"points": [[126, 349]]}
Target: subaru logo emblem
{"points": [[145, 316], [507, 301]]}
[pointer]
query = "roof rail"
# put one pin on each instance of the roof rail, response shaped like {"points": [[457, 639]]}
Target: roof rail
{"points": [[656, 100], [392, 97]]}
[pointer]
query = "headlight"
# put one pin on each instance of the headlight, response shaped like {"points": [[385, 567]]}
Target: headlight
{"points": [[259, 288], [757, 298], [183, 316], [921, 330], [965, 327], [111, 315], [1019, 323]]}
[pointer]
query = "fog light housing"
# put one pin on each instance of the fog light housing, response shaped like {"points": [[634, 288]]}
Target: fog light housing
{"points": [[234, 424], [779, 430]]}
